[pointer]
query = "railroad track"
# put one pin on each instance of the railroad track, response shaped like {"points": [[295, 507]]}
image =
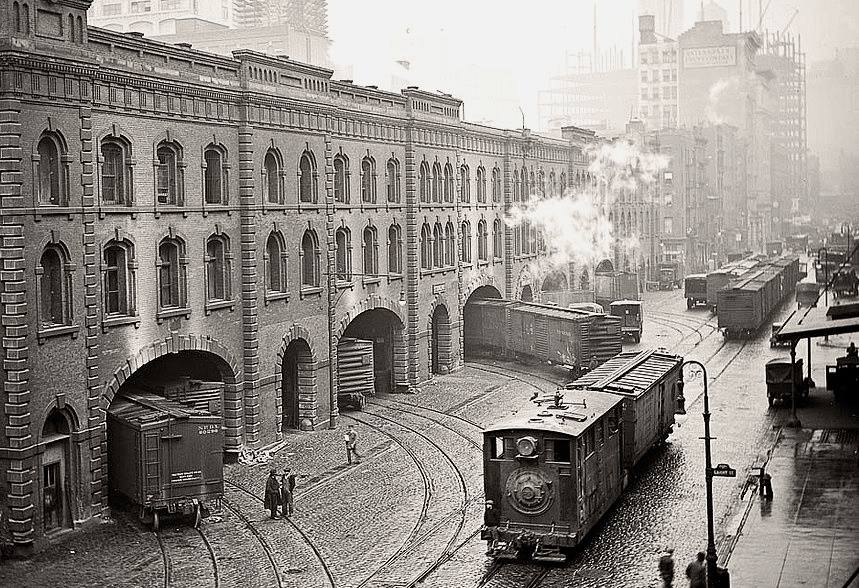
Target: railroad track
{"points": [[410, 409], [176, 539], [264, 543], [411, 544], [515, 375]]}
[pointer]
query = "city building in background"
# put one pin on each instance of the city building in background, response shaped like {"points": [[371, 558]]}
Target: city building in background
{"points": [[294, 28], [657, 68], [668, 15]]}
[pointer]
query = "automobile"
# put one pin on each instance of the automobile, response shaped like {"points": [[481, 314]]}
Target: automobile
{"points": [[631, 316], [780, 378], [807, 294]]}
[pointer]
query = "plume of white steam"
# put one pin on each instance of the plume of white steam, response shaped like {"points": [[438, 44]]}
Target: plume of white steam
{"points": [[575, 227], [714, 94]]}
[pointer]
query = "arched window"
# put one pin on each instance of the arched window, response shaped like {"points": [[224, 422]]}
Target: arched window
{"points": [[51, 187], [497, 239], [341, 179], [171, 274], [437, 181], [392, 180], [496, 185], [54, 281], [449, 183], [449, 245], [370, 244], [563, 184], [438, 246], [115, 171], [516, 196], [276, 263], [272, 177], [310, 260], [395, 249], [118, 279], [168, 173], [368, 180], [218, 268], [482, 241], [540, 185], [464, 184], [552, 185], [531, 188], [426, 247], [585, 283], [215, 175], [517, 240], [343, 254], [307, 191], [481, 185], [465, 250], [425, 182]]}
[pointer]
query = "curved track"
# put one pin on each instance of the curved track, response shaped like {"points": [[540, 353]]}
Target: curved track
{"points": [[413, 542], [192, 569]]}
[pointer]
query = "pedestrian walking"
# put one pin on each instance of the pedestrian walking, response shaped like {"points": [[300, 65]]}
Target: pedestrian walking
{"points": [[287, 484], [697, 572], [272, 493], [491, 520], [666, 568], [766, 485], [351, 438]]}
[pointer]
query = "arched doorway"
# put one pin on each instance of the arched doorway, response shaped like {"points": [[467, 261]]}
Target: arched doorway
{"points": [[296, 378], [527, 295], [441, 342], [585, 280], [605, 265], [57, 471], [385, 329], [555, 282], [475, 332]]}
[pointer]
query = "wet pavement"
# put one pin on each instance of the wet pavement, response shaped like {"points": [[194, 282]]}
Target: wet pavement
{"points": [[409, 512]]}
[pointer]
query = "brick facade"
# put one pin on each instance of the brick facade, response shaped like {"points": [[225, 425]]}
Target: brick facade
{"points": [[84, 86]]}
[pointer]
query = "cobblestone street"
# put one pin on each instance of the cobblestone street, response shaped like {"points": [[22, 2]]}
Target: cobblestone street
{"points": [[409, 512]]}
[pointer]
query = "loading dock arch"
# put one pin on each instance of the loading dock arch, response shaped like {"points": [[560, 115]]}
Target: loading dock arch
{"points": [[296, 397]]}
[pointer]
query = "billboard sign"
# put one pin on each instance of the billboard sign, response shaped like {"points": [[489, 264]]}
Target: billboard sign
{"points": [[710, 56]]}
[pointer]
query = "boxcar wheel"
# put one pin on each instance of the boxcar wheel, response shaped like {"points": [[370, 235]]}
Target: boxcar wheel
{"points": [[155, 520]]}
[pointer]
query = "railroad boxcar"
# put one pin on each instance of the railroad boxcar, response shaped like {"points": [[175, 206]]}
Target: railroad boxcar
{"points": [[356, 377], [551, 471], [164, 457], [695, 290], [647, 381], [573, 338]]}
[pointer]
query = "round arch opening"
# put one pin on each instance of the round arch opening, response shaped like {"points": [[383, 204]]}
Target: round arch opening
{"points": [[441, 341], [526, 295], [298, 376], [377, 333], [195, 379], [606, 265], [555, 282], [57, 471], [476, 330]]}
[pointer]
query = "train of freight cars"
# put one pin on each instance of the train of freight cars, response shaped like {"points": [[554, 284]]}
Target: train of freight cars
{"points": [[746, 304], [576, 339], [553, 469]]}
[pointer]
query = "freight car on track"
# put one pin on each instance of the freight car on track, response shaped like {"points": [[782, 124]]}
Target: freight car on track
{"points": [[164, 457], [744, 307], [552, 470], [512, 329]]}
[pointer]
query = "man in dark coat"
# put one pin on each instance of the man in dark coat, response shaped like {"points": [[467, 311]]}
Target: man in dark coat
{"points": [[697, 572], [272, 493], [287, 485], [666, 568]]}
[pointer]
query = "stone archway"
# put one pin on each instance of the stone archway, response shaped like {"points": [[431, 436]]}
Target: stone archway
{"points": [[606, 265], [441, 341], [295, 382], [57, 470], [526, 294]]}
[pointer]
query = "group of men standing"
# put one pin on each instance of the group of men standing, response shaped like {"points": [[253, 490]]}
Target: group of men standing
{"points": [[279, 492]]}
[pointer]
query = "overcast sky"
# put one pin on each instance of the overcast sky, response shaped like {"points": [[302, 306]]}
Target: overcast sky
{"points": [[497, 54]]}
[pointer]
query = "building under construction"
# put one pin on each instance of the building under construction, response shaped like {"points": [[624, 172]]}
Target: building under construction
{"points": [[302, 15], [781, 53]]}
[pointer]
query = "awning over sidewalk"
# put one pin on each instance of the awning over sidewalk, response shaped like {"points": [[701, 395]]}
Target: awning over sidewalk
{"points": [[820, 321]]}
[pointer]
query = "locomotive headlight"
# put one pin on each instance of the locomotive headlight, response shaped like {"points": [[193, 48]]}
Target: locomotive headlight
{"points": [[526, 446]]}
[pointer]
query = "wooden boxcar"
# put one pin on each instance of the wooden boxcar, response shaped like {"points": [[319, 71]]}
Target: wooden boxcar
{"points": [[551, 471], [647, 381], [356, 377], [695, 289], [524, 330], [163, 456]]}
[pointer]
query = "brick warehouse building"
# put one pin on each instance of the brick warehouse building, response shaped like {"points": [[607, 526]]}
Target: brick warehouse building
{"points": [[171, 216]]}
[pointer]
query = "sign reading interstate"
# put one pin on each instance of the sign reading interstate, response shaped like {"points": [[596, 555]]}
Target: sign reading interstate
{"points": [[709, 56]]}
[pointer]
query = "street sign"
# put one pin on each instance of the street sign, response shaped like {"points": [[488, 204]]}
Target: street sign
{"points": [[723, 470]]}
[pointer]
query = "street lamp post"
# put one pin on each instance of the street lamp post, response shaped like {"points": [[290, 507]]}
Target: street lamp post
{"points": [[825, 273], [708, 472]]}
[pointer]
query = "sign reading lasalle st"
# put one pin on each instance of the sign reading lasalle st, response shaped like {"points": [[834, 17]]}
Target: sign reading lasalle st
{"points": [[709, 56]]}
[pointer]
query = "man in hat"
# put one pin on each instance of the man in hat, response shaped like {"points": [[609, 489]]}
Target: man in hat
{"points": [[666, 568], [287, 485], [351, 439], [272, 493]]}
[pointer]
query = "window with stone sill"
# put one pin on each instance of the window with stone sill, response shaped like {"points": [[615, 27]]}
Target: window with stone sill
{"points": [[119, 279], [54, 287], [343, 254], [341, 179], [368, 180], [308, 191], [395, 249], [171, 266], [309, 255], [51, 170], [215, 175], [169, 174], [392, 181], [218, 269], [272, 177], [116, 172], [276, 264]]}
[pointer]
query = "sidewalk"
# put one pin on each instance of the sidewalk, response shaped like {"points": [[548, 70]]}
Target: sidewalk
{"points": [[807, 535]]}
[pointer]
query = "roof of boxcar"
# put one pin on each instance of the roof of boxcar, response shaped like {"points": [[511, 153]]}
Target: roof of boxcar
{"points": [[553, 311], [629, 373], [144, 407], [577, 411]]}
